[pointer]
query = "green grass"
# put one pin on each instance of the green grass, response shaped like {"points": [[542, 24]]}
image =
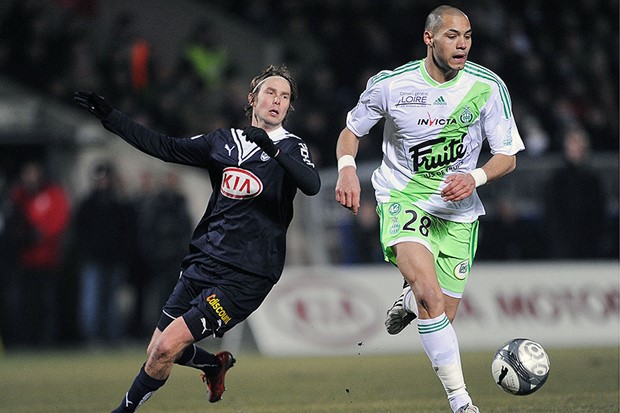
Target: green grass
{"points": [[581, 380]]}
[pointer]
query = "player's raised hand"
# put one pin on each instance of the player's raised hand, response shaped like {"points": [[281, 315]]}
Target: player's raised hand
{"points": [[95, 104], [348, 189], [259, 137]]}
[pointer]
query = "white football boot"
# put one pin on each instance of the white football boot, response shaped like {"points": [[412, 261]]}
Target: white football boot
{"points": [[468, 408]]}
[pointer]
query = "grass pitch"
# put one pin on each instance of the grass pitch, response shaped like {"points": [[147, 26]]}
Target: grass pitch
{"points": [[581, 380]]}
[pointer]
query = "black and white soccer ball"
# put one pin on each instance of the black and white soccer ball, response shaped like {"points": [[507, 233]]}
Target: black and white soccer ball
{"points": [[520, 366]]}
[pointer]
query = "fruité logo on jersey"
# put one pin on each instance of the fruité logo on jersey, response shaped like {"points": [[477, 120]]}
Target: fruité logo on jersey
{"points": [[239, 183], [436, 153]]}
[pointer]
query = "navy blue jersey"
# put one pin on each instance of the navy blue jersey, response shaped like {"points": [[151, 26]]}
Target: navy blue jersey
{"points": [[251, 206]]}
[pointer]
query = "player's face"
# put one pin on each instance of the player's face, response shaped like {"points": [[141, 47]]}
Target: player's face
{"points": [[271, 103], [449, 45]]}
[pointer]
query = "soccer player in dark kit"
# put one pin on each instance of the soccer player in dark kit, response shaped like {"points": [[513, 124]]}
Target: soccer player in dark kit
{"points": [[237, 251]]}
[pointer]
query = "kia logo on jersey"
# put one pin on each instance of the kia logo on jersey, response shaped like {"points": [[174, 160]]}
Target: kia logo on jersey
{"points": [[238, 183]]}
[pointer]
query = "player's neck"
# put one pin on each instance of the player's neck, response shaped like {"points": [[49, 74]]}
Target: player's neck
{"points": [[437, 73]]}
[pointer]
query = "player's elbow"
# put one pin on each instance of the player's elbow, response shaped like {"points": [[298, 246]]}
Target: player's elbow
{"points": [[511, 164], [505, 165], [312, 188]]}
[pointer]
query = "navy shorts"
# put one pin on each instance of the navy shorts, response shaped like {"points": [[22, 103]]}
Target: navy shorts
{"points": [[213, 297]]}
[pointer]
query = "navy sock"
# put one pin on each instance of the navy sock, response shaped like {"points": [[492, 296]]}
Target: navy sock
{"points": [[198, 358], [141, 389]]}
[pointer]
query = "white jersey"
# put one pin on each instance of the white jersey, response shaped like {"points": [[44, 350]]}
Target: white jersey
{"points": [[433, 130]]}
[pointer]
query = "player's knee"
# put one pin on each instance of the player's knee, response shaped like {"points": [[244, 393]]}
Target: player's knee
{"points": [[149, 349], [154, 338], [431, 301], [163, 350]]}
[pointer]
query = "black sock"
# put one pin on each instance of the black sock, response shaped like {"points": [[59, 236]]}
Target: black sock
{"points": [[198, 358], [141, 389]]}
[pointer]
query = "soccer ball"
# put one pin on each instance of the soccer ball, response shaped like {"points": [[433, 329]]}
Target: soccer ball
{"points": [[520, 366]]}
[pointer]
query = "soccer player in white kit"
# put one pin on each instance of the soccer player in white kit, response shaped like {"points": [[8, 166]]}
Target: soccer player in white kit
{"points": [[437, 111]]}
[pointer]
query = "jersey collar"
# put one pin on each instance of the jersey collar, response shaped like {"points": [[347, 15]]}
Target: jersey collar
{"points": [[277, 134], [432, 82], [248, 149]]}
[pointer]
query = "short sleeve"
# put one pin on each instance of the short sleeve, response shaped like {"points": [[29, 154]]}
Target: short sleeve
{"points": [[369, 110], [500, 128]]}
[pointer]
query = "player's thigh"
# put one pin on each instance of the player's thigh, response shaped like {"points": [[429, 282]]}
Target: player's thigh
{"points": [[456, 248], [416, 263], [401, 222], [218, 309], [176, 336], [169, 344], [177, 304], [408, 239]]}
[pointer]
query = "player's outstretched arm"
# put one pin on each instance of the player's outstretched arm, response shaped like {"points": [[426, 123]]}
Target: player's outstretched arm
{"points": [[186, 151], [348, 189]]}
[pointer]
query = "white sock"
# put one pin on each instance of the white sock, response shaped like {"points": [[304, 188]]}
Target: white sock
{"points": [[409, 302], [442, 348]]}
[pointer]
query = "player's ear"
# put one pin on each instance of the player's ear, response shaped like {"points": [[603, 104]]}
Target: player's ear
{"points": [[428, 38], [251, 99]]}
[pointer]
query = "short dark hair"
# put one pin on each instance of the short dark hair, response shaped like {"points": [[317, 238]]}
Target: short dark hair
{"points": [[269, 71], [435, 18]]}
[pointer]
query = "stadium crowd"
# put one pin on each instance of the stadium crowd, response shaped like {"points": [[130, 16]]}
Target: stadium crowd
{"points": [[100, 249], [560, 64]]}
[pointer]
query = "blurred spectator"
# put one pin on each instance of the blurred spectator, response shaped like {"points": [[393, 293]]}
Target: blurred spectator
{"points": [[7, 258], [102, 233], [127, 63], [139, 266], [82, 71], [12, 239], [575, 210], [535, 138], [35, 230], [35, 51], [5, 211], [206, 57], [164, 230], [506, 235], [366, 231], [165, 109]]}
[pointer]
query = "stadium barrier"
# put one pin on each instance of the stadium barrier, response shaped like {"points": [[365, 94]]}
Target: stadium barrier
{"points": [[341, 310]]}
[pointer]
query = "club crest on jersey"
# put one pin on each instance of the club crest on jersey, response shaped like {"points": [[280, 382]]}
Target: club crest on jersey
{"points": [[395, 209], [394, 227], [461, 270], [238, 183], [466, 117]]}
